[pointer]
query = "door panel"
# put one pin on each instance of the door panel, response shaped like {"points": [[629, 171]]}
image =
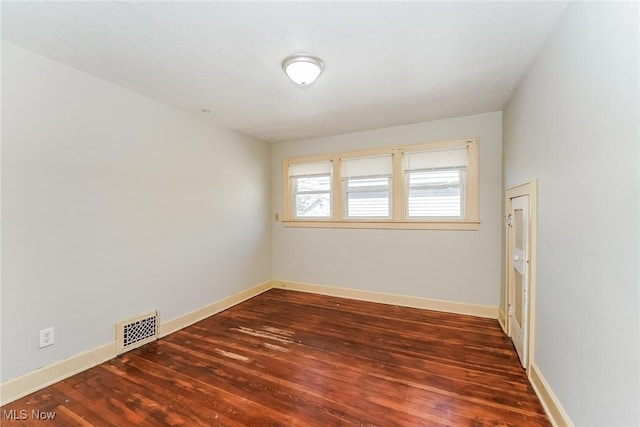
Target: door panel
{"points": [[517, 305], [519, 275]]}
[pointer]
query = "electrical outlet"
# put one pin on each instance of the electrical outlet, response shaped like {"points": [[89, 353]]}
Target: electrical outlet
{"points": [[46, 337]]}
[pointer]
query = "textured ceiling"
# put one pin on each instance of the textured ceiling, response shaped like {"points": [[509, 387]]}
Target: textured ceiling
{"points": [[386, 63]]}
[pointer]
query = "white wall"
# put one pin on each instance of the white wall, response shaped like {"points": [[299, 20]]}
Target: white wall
{"points": [[113, 204], [573, 125], [461, 266]]}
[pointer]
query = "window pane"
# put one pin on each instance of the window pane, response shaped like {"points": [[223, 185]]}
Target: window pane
{"points": [[434, 194], [313, 183], [435, 203], [312, 196], [367, 197], [373, 204], [313, 205]]}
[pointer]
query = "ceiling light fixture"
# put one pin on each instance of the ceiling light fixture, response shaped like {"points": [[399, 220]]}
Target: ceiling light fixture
{"points": [[303, 69]]}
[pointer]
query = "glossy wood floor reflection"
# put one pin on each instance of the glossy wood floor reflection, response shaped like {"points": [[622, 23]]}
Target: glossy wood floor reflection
{"points": [[288, 358]]}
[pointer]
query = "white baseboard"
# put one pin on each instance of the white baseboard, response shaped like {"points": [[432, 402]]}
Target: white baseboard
{"points": [[393, 299], [197, 315], [502, 320], [40, 378], [550, 402]]}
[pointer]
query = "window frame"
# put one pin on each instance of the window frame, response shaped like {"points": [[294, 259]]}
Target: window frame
{"points": [[289, 204], [345, 182], [398, 196]]}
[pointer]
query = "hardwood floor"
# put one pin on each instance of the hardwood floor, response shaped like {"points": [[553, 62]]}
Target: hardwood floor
{"points": [[288, 358]]}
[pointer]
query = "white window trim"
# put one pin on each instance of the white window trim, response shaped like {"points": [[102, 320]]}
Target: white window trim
{"points": [[398, 220]]}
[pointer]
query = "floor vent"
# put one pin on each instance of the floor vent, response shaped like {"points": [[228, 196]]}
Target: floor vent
{"points": [[136, 331]]}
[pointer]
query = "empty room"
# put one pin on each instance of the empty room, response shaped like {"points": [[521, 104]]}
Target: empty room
{"points": [[230, 213]]}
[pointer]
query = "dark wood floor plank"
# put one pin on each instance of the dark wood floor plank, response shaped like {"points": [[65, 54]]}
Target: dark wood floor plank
{"points": [[214, 405], [299, 359], [356, 326], [255, 380], [66, 417], [418, 358], [491, 384], [229, 377]]}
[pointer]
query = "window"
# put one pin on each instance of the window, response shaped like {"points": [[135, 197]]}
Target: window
{"points": [[434, 183], [427, 186], [367, 187], [311, 189]]}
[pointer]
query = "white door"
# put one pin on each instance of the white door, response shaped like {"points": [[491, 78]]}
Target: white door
{"points": [[518, 307]]}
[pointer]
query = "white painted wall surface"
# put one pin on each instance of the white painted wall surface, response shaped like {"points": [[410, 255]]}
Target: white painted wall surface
{"points": [[573, 125], [114, 204], [460, 266]]}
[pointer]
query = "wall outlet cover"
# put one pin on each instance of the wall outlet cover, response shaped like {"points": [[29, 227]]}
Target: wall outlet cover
{"points": [[46, 337]]}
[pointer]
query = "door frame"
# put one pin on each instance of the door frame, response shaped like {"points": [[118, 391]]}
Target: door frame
{"points": [[530, 189]]}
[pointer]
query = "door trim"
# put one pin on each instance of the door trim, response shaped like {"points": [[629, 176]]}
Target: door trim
{"points": [[530, 189]]}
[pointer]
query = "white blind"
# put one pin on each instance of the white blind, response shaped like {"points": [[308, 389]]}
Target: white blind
{"points": [[310, 168], [367, 166], [451, 158]]}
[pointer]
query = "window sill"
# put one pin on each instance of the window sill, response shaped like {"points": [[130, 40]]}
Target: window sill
{"points": [[469, 225]]}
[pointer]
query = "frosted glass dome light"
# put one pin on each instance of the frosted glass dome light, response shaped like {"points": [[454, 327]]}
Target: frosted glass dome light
{"points": [[303, 69]]}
